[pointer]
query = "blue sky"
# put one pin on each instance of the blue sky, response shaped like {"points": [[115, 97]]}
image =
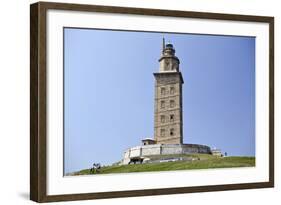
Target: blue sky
{"points": [[109, 92]]}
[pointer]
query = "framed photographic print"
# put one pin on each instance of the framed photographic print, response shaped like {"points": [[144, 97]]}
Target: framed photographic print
{"points": [[136, 102]]}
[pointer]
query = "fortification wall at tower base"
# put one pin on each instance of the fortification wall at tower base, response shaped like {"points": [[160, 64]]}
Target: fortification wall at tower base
{"points": [[163, 149]]}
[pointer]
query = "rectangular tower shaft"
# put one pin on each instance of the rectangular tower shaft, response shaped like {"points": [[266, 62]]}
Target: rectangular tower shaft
{"points": [[168, 108]]}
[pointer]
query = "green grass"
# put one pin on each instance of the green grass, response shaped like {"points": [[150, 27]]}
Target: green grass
{"points": [[205, 162]]}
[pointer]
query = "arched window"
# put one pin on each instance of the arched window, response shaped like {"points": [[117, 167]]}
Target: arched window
{"points": [[172, 131], [172, 117]]}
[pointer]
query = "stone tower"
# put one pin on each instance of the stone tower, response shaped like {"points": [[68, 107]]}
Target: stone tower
{"points": [[168, 99]]}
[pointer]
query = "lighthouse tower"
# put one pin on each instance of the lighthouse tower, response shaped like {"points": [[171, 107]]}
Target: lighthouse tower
{"points": [[168, 125]]}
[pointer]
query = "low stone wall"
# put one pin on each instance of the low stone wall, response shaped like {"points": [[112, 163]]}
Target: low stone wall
{"points": [[163, 149]]}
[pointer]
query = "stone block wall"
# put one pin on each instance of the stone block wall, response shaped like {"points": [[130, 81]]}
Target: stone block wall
{"points": [[163, 149]]}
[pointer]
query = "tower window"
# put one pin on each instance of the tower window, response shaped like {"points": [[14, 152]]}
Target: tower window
{"points": [[162, 132], [172, 103], [172, 117], [172, 131], [162, 104], [162, 118], [163, 90], [172, 90]]}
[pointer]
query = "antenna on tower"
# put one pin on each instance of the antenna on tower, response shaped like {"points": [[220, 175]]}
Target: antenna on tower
{"points": [[163, 44]]}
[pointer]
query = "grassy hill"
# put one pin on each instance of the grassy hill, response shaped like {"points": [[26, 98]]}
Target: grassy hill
{"points": [[206, 161]]}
